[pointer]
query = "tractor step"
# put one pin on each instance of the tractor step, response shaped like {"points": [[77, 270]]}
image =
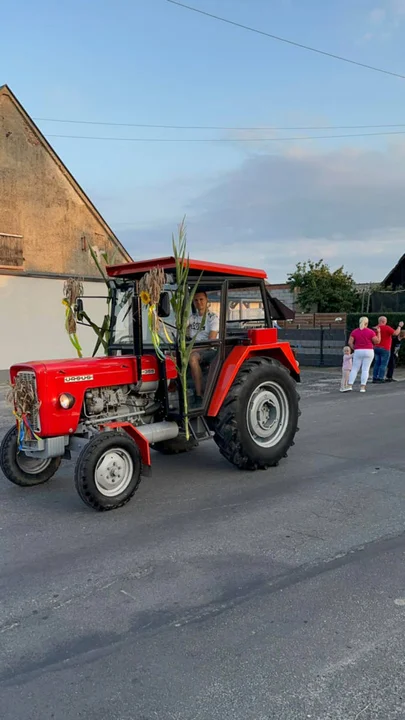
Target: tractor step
{"points": [[200, 429]]}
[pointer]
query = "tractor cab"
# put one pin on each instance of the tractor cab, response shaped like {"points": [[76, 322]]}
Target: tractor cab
{"points": [[238, 306]]}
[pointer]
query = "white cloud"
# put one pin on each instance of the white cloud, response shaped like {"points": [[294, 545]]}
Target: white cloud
{"points": [[384, 20], [398, 7], [377, 16], [346, 206], [367, 37]]}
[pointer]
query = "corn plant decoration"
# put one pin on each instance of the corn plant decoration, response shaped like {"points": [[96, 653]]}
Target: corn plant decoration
{"points": [[151, 286], [72, 290], [25, 405], [182, 302]]}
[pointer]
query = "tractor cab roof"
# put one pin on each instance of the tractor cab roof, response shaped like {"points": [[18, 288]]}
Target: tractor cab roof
{"points": [[135, 270]]}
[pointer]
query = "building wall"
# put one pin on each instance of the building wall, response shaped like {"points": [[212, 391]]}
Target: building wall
{"points": [[40, 206], [283, 293], [285, 296], [32, 320]]}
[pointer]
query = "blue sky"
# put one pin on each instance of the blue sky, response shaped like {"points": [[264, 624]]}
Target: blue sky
{"points": [[269, 203]]}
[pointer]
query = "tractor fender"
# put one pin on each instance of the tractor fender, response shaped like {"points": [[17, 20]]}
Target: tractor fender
{"points": [[139, 439], [280, 351], [145, 435]]}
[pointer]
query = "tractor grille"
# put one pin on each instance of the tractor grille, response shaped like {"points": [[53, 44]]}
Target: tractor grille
{"points": [[30, 381]]}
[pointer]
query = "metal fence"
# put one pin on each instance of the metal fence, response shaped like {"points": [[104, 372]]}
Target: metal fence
{"points": [[316, 347], [384, 302]]}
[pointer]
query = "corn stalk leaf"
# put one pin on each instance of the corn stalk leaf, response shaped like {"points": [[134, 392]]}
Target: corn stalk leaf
{"points": [[103, 331], [182, 301]]}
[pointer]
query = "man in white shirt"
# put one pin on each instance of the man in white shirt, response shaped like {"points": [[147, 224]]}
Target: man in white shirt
{"points": [[208, 332]]}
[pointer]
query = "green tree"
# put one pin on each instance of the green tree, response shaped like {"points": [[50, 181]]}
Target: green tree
{"points": [[319, 287]]}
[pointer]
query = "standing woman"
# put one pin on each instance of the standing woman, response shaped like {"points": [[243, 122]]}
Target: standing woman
{"points": [[362, 341]]}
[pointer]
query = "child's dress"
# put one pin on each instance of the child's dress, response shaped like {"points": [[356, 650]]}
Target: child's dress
{"points": [[346, 368]]}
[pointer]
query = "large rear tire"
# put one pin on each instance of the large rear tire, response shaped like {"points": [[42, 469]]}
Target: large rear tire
{"points": [[108, 471], [258, 420], [177, 445], [23, 470]]}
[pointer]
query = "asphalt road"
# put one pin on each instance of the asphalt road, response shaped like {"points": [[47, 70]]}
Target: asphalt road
{"points": [[218, 594]]}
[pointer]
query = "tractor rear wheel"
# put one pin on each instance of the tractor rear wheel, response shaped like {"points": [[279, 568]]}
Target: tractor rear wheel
{"points": [[259, 417], [21, 469], [108, 471], [177, 445]]}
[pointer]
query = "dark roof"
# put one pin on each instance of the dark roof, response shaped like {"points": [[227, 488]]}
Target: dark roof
{"points": [[136, 269], [390, 279]]}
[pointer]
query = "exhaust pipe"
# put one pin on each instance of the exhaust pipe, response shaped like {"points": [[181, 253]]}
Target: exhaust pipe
{"points": [[157, 432]]}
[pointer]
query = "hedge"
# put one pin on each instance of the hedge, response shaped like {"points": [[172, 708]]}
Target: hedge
{"points": [[392, 318]]}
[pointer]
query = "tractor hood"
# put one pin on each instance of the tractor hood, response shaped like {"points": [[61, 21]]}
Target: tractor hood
{"points": [[49, 379], [95, 372], [103, 370]]}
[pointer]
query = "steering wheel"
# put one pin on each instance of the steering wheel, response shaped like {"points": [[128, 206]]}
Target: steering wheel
{"points": [[122, 340]]}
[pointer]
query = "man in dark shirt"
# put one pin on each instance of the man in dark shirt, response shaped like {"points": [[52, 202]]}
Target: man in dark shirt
{"points": [[396, 344]]}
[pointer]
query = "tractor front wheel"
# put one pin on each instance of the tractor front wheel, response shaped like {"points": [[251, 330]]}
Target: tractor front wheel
{"points": [[108, 471], [259, 417], [21, 469]]}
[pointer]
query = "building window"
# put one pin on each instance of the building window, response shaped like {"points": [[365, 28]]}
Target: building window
{"points": [[11, 250]]}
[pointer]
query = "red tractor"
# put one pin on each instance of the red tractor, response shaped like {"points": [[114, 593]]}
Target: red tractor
{"points": [[112, 410]]}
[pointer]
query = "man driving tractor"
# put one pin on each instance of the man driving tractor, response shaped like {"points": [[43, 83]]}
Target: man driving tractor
{"points": [[207, 333]]}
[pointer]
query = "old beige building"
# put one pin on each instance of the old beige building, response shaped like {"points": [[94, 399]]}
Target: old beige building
{"points": [[47, 224]]}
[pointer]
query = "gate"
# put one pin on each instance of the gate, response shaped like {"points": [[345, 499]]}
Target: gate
{"points": [[316, 347]]}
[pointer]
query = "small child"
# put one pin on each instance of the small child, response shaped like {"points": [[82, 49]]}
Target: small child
{"points": [[346, 368]]}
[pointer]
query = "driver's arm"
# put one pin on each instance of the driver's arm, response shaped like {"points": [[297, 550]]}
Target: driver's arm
{"points": [[213, 327]]}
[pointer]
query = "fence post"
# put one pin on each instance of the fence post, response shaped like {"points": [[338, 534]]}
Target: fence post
{"points": [[321, 355]]}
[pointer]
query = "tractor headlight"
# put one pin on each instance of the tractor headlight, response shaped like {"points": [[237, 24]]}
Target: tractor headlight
{"points": [[66, 400]]}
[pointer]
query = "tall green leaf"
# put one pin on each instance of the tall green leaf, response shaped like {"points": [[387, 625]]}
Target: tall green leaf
{"points": [[182, 301]]}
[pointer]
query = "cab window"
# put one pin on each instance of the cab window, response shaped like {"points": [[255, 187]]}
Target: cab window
{"points": [[245, 309]]}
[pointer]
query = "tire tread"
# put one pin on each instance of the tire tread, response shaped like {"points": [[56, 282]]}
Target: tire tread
{"points": [[227, 435], [82, 474], [176, 446], [13, 472]]}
